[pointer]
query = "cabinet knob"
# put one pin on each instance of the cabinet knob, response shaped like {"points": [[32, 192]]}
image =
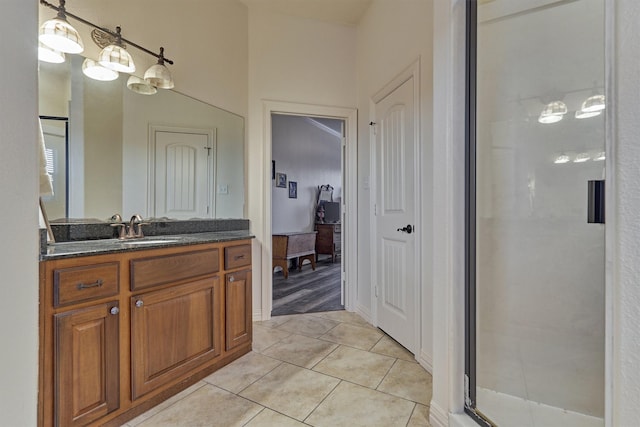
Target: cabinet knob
{"points": [[114, 310], [139, 303], [231, 278]]}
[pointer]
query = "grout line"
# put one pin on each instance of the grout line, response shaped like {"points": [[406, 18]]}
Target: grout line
{"points": [[256, 415], [411, 415], [385, 375], [322, 401]]}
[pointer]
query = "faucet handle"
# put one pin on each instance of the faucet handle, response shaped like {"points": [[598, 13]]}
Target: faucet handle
{"points": [[121, 230], [140, 224]]}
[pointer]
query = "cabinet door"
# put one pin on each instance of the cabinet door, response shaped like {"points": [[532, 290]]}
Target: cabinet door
{"points": [[238, 308], [173, 331], [86, 357]]}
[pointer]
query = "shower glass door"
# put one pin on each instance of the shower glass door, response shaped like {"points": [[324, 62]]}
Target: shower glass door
{"points": [[535, 231]]}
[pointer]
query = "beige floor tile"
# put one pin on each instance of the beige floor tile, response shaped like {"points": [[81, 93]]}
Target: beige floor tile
{"points": [[291, 390], [241, 373], [408, 380], [420, 417], [353, 336], [208, 406], [344, 317], [351, 405], [264, 337], [170, 401], [389, 347], [269, 418], [300, 350], [312, 326], [275, 321], [357, 366]]}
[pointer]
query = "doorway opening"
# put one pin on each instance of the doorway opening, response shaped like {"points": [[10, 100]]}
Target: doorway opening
{"points": [[306, 213]]}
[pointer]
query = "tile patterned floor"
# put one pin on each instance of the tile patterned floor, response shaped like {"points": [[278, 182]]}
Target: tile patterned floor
{"points": [[316, 369]]}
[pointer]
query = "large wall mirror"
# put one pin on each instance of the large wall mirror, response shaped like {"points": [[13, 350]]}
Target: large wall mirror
{"points": [[111, 150]]}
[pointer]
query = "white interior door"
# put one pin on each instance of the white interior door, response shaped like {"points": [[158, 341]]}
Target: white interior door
{"points": [[183, 175], [395, 214]]}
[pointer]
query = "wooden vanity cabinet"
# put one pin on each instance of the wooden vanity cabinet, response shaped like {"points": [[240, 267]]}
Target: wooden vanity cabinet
{"points": [[120, 333]]}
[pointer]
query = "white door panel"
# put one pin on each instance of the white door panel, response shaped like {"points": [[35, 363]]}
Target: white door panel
{"points": [[395, 196]]}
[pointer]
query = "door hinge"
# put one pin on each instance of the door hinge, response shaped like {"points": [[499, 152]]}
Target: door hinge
{"points": [[207, 209], [375, 291], [375, 210], [208, 150], [467, 393]]}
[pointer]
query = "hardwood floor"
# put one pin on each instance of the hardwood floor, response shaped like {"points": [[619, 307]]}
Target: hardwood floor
{"points": [[308, 291]]}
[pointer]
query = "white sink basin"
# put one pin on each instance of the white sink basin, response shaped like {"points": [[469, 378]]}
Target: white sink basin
{"points": [[148, 242]]}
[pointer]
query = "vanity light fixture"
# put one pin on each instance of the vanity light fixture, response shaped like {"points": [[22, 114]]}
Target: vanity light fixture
{"points": [[581, 114], [158, 75], [141, 86], [553, 112], [598, 157], [92, 69], [113, 56], [46, 54], [563, 158], [594, 103], [58, 34], [116, 57], [581, 158]]}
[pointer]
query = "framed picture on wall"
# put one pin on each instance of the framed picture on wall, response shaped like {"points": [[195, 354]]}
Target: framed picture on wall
{"points": [[293, 190], [281, 180]]}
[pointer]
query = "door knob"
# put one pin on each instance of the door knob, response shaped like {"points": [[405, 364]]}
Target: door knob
{"points": [[408, 229]]}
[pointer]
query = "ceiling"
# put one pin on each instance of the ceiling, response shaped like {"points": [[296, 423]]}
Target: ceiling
{"points": [[344, 12]]}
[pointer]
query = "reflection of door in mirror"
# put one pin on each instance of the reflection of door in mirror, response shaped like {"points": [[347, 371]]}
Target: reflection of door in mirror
{"points": [[55, 131], [182, 161]]}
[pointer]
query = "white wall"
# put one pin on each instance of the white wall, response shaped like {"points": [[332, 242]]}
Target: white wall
{"points": [[293, 60], [19, 213], [392, 35], [309, 156]]}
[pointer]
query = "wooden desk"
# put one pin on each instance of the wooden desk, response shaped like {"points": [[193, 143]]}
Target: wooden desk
{"points": [[298, 246]]}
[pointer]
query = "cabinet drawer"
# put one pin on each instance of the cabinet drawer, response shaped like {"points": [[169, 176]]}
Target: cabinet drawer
{"points": [[237, 256], [78, 284], [154, 271]]}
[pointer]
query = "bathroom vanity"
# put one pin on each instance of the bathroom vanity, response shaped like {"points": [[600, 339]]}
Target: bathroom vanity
{"points": [[125, 325]]}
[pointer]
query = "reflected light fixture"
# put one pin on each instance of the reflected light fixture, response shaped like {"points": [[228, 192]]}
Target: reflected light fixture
{"points": [[58, 34], [563, 158], [593, 103], [553, 112], [141, 86], [158, 75], [116, 57], [598, 157], [46, 54], [581, 158], [92, 69]]}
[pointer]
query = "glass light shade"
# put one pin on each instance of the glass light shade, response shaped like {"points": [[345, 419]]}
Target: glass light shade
{"points": [[46, 54], [138, 85], [92, 69], [553, 112], [159, 76], [116, 58], [581, 158], [562, 159], [593, 103], [599, 157], [58, 34], [581, 114]]}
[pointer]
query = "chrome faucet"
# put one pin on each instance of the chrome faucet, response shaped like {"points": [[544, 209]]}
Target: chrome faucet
{"points": [[128, 231]]}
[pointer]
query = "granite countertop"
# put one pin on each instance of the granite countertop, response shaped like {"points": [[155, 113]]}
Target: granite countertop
{"points": [[106, 246]]}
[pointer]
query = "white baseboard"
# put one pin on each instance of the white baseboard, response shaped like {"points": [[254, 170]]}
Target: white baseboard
{"points": [[425, 361], [364, 312], [438, 417], [257, 316]]}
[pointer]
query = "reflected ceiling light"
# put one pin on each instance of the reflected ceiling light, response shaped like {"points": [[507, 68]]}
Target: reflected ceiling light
{"points": [[582, 157], [58, 34], [581, 114], [599, 157], [116, 57], [46, 54], [141, 86], [593, 104], [92, 69], [563, 158], [553, 112], [158, 74]]}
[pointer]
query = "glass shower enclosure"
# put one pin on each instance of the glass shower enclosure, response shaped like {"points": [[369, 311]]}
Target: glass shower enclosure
{"points": [[535, 225]]}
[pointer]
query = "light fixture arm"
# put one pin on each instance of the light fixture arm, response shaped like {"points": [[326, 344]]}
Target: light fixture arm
{"points": [[62, 13]]}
